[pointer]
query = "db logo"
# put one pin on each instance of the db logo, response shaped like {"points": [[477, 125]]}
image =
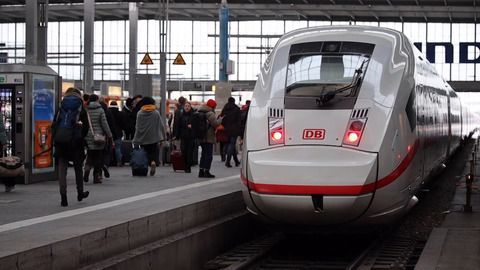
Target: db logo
{"points": [[314, 134]]}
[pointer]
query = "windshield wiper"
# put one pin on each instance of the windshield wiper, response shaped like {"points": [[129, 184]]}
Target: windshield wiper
{"points": [[356, 81]]}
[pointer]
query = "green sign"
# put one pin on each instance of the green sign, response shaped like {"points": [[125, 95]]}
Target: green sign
{"points": [[3, 79]]}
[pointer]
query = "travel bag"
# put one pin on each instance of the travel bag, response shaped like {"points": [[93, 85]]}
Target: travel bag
{"points": [[177, 160], [139, 162]]}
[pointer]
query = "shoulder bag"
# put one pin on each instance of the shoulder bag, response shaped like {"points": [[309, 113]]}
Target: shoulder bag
{"points": [[97, 138]]}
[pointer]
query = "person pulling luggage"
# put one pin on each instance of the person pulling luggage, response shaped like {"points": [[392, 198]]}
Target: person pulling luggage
{"points": [[149, 130]]}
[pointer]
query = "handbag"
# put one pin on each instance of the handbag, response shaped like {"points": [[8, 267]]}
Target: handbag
{"points": [[11, 166], [97, 138]]}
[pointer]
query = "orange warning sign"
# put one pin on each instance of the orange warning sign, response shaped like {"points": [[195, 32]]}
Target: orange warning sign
{"points": [[179, 60], [146, 60]]}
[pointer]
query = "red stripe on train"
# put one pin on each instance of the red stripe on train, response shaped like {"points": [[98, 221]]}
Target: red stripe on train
{"points": [[333, 190]]}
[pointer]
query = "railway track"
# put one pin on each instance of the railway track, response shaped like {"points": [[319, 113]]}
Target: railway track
{"points": [[279, 251]]}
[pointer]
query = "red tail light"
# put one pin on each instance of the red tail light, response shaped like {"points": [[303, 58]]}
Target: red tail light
{"points": [[354, 132], [276, 131]]}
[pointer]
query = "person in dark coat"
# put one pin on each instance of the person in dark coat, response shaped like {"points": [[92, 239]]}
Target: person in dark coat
{"points": [[185, 134], [107, 154], [129, 127], [73, 151], [231, 123], [178, 113], [117, 132]]}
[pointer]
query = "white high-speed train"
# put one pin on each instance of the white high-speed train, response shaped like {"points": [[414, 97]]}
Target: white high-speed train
{"points": [[345, 126]]}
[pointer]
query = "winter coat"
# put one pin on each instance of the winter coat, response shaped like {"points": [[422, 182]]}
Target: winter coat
{"points": [[129, 124], [119, 122], [213, 123], [176, 119], [243, 120], [74, 151], [231, 119], [111, 121], [150, 127], [183, 131], [99, 125]]}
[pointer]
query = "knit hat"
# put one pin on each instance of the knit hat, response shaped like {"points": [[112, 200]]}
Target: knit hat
{"points": [[211, 103], [113, 104]]}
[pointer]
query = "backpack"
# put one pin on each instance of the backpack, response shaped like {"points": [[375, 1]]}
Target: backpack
{"points": [[199, 123], [66, 129]]}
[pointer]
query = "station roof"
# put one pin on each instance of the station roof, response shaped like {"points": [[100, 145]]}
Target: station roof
{"points": [[242, 10]]}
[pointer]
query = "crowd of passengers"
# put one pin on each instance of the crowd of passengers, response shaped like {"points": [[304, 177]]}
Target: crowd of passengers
{"points": [[140, 123]]}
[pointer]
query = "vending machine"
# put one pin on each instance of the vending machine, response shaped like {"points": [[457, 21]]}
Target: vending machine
{"points": [[28, 99]]}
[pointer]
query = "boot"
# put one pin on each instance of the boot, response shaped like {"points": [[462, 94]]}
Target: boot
{"points": [[96, 178], [64, 201], [105, 171], [82, 195], [207, 174], [227, 164], [201, 172]]}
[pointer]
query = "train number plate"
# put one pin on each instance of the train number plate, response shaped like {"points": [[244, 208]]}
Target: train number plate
{"points": [[314, 134]]}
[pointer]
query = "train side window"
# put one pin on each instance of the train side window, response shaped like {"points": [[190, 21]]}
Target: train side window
{"points": [[411, 111]]}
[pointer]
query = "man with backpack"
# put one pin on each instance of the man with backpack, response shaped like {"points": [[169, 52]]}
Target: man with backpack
{"points": [[204, 122], [69, 129]]}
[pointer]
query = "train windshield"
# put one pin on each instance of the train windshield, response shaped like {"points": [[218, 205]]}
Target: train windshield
{"points": [[327, 69]]}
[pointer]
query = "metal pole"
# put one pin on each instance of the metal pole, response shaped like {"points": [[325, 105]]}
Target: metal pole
{"points": [[223, 18], [163, 25]]}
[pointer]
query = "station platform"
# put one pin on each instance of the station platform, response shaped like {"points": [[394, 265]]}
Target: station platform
{"points": [[456, 243], [121, 214]]}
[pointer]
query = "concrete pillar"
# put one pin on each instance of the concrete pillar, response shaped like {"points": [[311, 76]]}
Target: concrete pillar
{"points": [[89, 24], [132, 63], [31, 41]]}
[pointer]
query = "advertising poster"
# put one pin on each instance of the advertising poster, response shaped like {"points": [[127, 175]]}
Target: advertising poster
{"points": [[43, 111]]}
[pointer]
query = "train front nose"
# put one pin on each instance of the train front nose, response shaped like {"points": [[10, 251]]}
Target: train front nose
{"points": [[322, 185]]}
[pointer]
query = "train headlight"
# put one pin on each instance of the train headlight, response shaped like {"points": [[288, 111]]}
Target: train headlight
{"points": [[354, 131], [276, 131]]}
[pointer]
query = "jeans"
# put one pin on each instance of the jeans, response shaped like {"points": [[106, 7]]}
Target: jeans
{"points": [[207, 156], [62, 181], [232, 150], [118, 150]]}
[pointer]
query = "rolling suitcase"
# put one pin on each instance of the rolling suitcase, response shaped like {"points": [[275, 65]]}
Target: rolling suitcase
{"points": [[177, 160], [139, 162]]}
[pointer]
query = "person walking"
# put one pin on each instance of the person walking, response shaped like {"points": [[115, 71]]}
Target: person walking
{"points": [[69, 129], [185, 134], [149, 131], [127, 110], [231, 123], [120, 119], [209, 139], [97, 125]]}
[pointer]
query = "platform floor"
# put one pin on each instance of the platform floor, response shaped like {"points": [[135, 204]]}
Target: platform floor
{"points": [[41, 199], [456, 243], [37, 233]]}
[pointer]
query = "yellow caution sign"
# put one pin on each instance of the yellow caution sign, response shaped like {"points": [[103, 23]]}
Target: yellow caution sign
{"points": [[146, 60], [179, 60]]}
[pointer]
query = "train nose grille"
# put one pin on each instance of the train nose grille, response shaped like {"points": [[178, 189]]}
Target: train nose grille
{"points": [[359, 113], [275, 112]]}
